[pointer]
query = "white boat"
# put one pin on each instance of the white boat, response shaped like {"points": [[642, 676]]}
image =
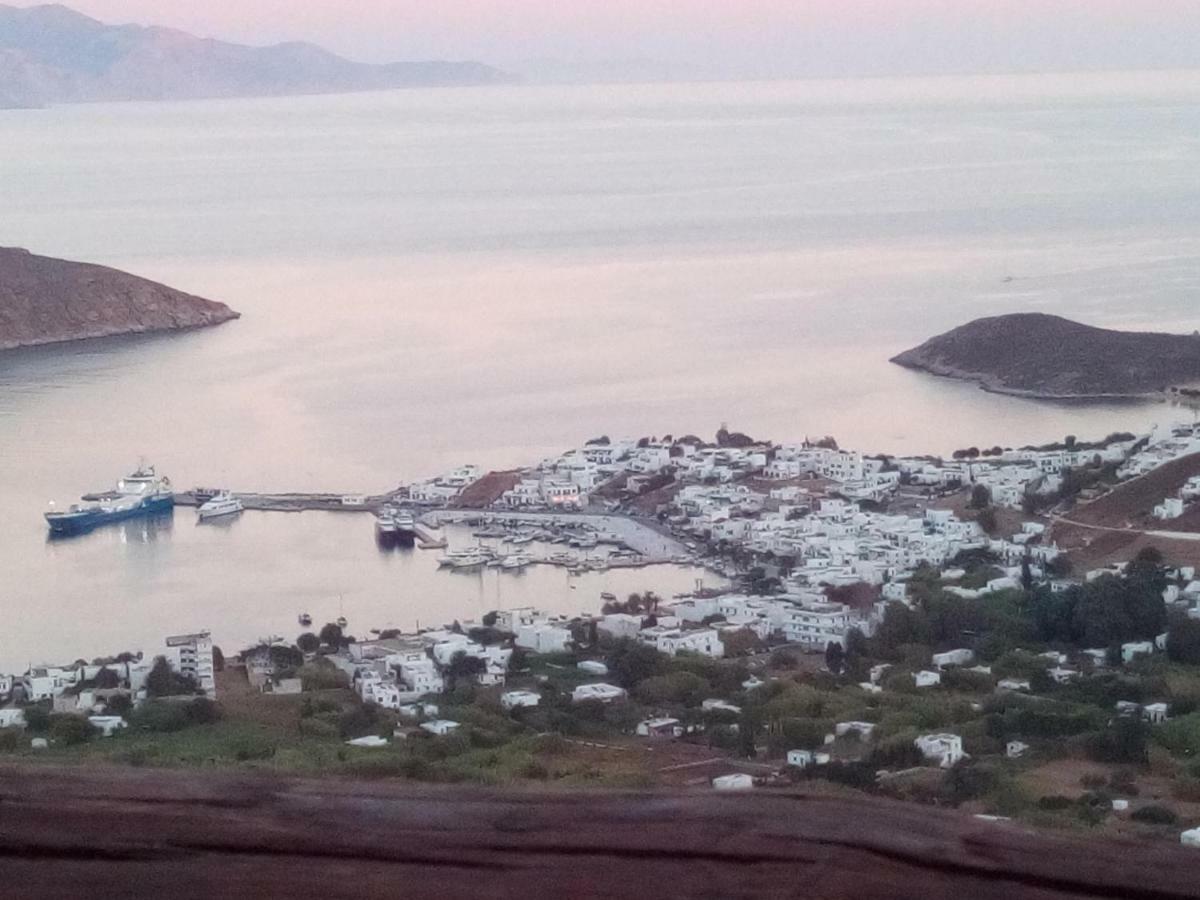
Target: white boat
{"points": [[223, 504], [466, 558], [385, 523], [515, 562]]}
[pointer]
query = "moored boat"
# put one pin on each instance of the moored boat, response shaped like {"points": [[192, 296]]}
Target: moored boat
{"points": [[222, 504]]}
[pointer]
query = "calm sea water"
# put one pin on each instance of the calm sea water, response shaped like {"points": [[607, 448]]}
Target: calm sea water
{"points": [[436, 277]]}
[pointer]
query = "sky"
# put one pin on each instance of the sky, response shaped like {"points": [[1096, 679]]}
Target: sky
{"points": [[750, 38]]}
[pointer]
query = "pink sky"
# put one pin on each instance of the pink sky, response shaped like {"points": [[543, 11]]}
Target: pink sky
{"points": [[858, 35]]}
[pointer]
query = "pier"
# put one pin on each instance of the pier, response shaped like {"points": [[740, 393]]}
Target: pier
{"points": [[296, 502]]}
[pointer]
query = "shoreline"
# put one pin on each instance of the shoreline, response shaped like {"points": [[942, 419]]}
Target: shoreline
{"points": [[989, 385]]}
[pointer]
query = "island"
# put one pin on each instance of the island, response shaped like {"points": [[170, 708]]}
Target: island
{"points": [[52, 54], [1049, 357], [48, 301]]}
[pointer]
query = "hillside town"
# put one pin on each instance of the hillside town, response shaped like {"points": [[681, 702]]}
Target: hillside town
{"points": [[901, 625]]}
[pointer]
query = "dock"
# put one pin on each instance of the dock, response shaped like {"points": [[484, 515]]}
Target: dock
{"points": [[296, 502]]}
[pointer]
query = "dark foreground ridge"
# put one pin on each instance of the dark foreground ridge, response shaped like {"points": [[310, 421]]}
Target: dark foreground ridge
{"points": [[52, 54], [1043, 356], [143, 833], [47, 301]]}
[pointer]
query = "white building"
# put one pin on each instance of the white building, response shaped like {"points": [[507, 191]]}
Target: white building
{"points": [[927, 679], [1190, 838], [733, 783], [12, 718], [439, 726], [671, 641], [191, 656], [604, 693], [945, 749], [543, 638], [1015, 749], [511, 700], [801, 759], [620, 625], [660, 728], [954, 658]]}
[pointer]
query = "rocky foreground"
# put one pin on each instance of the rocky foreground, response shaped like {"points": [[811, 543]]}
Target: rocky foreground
{"points": [[1049, 357], [47, 301]]}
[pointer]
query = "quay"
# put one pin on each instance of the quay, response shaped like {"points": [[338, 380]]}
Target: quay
{"points": [[295, 502]]}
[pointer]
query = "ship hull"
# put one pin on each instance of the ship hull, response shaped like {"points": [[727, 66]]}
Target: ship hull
{"points": [[83, 522]]}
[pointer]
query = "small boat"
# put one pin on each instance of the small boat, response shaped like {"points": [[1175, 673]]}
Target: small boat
{"points": [[523, 538], [385, 524], [341, 622], [608, 595], [515, 562], [222, 504], [305, 620]]}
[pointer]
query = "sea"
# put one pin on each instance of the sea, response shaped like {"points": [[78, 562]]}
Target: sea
{"points": [[435, 277]]}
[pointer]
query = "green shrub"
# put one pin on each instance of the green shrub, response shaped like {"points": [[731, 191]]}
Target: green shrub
{"points": [[11, 739], [37, 718], [251, 748], [69, 730], [160, 716], [1055, 803], [1155, 815]]}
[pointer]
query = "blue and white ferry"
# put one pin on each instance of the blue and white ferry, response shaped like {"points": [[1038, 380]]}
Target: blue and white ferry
{"points": [[142, 493]]}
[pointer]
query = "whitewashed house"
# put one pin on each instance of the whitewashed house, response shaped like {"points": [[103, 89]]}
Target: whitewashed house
{"points": [[927, 679], [737, 782], [511, 700], [801, 759], [945, 749], [604, 693]]}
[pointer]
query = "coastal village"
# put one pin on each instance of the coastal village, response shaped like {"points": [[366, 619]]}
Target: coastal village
{"points": [[1011, 631]]}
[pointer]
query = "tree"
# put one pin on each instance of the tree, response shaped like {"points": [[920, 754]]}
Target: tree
{"points": [[309, 642], [1183, 640], [981, 496], [835, 657], [987, 519], [1026, 574], [70, 730], [463, 667], [632, 662], [742, 642], [218, 660], [331, 635], [163, 682]]}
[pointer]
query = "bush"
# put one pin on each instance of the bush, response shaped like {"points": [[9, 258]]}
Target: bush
{"points": [[318, 728], [160, 716], [250, 748], [37, 718], [11, 739], [203, 711], [1055, 803], [1154, 815], [71, 730], [321, 676]]}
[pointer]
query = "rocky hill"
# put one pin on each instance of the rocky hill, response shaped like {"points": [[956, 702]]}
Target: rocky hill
{"points": [[1037, 355], [45, 301], [52, 54]]}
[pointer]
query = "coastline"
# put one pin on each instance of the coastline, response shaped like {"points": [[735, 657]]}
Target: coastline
{"points": [[992, 385]]}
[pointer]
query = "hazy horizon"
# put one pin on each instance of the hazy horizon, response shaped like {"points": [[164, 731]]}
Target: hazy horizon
{"points": [[707, 39]]}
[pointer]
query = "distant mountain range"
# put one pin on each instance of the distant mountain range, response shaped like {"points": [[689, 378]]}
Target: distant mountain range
{"points": [[47, 301], [1049, 357], [52, 54]]}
